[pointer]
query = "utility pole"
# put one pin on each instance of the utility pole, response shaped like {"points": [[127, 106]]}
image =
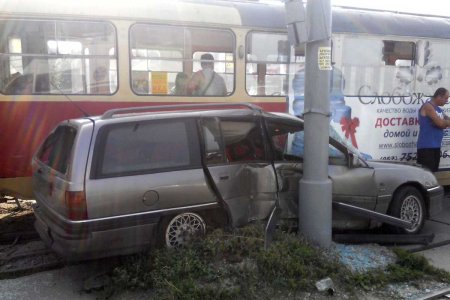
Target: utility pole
{"points": [[315, 188]]}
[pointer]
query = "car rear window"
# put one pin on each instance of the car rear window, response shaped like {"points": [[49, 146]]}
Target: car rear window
{"points": [[56, 150]]}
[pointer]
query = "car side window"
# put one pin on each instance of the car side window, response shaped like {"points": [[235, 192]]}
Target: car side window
{"points": [[147, 147], [243, 141], [289, 145], [287, 140], [212, 140]]}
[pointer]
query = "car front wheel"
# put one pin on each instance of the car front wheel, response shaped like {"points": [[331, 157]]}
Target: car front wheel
{"points": [[180, 229], [408, 205]]}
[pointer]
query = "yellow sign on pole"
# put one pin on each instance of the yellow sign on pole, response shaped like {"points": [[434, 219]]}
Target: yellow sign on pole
{"points": [[324, 58], [159, 83]]}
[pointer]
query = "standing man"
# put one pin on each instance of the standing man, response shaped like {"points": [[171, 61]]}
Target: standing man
{"points": [[206, 82], [432, 122]]}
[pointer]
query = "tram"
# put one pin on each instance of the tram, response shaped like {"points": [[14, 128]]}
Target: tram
{"points": [[65, 60], [60, 60], [385, 66]]}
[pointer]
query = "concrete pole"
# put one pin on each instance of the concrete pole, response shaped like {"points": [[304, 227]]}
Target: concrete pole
{"points": [[315, 188]]}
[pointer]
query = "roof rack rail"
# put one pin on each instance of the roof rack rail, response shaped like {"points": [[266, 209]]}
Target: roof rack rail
{"points": [[110, 113]]}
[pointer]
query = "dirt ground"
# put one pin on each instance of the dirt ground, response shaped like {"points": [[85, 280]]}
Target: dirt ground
{"points": [[15, 218]]}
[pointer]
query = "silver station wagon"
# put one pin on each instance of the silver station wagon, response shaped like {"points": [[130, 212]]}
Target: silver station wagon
{"points": [[124, 181]]}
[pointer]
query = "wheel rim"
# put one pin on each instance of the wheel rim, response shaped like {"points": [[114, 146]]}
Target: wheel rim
{"points": [[411, 211], [183, 228]]}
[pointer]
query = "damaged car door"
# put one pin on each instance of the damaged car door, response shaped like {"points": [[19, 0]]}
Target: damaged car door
{"points": [[353, 181], [237, 161]]}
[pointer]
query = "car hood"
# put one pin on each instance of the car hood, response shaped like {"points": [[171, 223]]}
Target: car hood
{"points": [[409, 171]]}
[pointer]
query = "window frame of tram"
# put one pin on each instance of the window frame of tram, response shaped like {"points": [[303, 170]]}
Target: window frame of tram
{"points": [[159, 53], [393, 61], [267, 64], [51, 57]]}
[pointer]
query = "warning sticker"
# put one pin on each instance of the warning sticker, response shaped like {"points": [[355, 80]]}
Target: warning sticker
{"points": [[159, 83], [324, 58]]}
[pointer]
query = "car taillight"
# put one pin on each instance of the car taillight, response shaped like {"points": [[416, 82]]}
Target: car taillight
{"points": [[76, 205]]}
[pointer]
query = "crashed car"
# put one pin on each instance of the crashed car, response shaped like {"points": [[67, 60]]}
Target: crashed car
{"points": [[131, 178]]}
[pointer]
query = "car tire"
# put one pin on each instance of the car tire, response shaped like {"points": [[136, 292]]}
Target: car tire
{"points": [[408, 205], [176, 231]]}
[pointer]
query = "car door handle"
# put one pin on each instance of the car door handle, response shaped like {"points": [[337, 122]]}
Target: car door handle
{"points": [[224, 177]]}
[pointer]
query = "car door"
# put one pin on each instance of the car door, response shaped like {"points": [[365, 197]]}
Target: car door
{"points": [[143, 167], [354, 185], [236, 159]]}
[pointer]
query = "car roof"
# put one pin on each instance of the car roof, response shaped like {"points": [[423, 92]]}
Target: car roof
{"points": [[128, 114]]}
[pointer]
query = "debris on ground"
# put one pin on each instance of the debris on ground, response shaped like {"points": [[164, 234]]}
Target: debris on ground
{"points": [[415, 290], [325, 285], [96, 282], [363, 258]]}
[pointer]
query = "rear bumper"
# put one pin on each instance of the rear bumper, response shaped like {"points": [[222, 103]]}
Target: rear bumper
{"points": [[79, 242], [436, 200], [95, 238]]}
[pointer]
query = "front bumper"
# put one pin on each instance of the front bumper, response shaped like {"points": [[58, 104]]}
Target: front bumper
{"points": [[436, 200]]}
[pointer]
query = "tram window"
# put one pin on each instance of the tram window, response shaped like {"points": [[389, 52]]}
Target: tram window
{"points": [[162, 71], [15, 46], [397, 53], [223, 65], [59, 57], [161, 53], [267, 64], [372, 66]]}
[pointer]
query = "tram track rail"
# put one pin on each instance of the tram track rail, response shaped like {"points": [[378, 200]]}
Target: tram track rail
{"points": [[23, 253], [22, 236]]}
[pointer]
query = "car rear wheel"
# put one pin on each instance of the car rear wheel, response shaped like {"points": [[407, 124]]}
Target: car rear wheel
{"points": [[408, 205], [180, 229]]}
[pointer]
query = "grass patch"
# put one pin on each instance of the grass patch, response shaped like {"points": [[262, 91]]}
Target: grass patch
{"points": [[409, 267], [234, 265]]}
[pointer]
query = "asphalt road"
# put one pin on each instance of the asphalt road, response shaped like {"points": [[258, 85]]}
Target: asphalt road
{"points": [[438, 256]]}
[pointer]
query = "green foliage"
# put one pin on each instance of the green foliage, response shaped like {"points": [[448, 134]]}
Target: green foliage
{"points": [[420, 264], [133, 273], [408, 267], [235, 246], [293, 264], [411, 261], [235, 265]]}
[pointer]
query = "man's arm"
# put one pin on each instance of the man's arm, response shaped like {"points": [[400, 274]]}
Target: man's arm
{"points": [[429, 111]]}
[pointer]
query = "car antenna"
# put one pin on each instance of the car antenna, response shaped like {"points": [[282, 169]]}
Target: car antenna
{"points": [[70, 100]]}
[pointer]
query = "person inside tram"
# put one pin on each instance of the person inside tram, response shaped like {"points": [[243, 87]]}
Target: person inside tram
{"points": [[100, 84], [19, 85], [181, 84], [206, 82]]}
